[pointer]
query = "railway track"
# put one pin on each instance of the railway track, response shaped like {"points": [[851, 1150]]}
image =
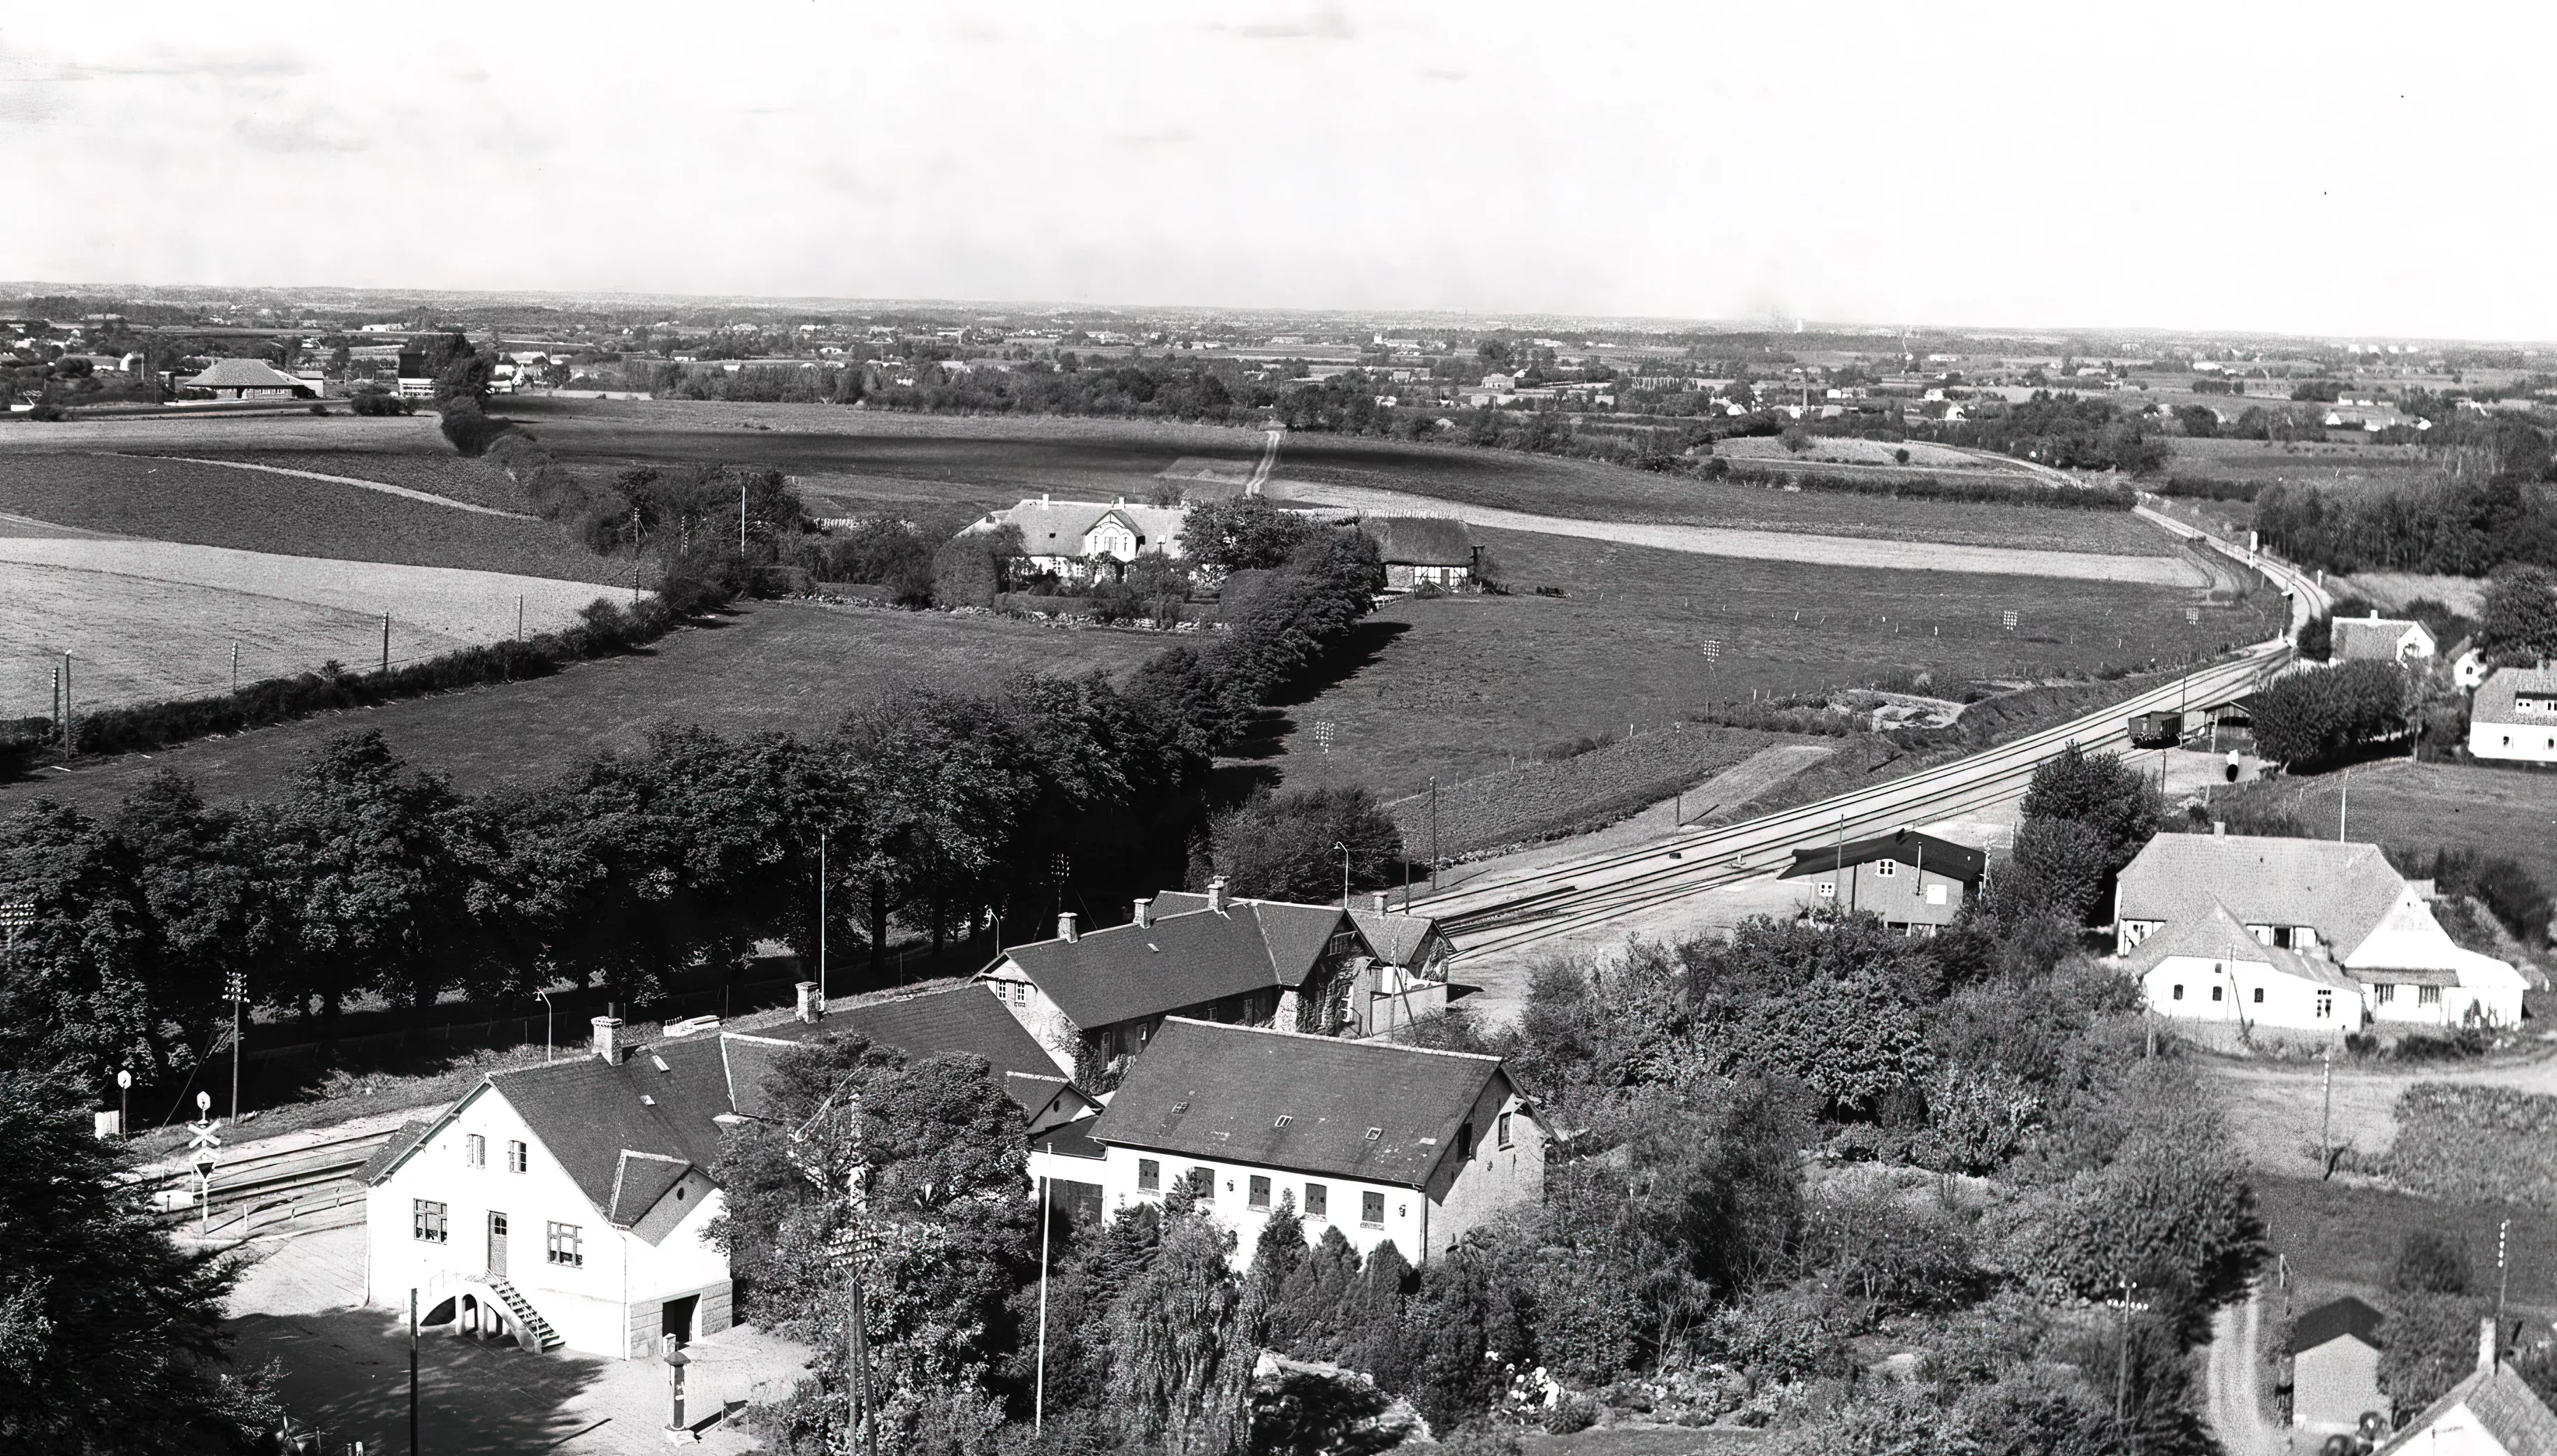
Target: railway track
{"points": [[287, 1177], [1561, 900]]}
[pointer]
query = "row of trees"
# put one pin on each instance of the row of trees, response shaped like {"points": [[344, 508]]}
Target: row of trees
{"points": [[2460, 528], [934, 812]]}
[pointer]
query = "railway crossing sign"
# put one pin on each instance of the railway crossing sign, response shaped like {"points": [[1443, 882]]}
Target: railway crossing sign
{"points": [[204, 1149]]}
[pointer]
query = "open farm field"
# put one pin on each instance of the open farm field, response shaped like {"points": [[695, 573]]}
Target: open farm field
{"points": [[146, 620], [480, 483], [783, 665], [1462, 687], [289, 515], [2337, 464], [207, 433], [1828, 449], [856, 456], [2502, 811]]}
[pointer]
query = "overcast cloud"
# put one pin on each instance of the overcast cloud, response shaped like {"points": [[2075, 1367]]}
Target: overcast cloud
{"points": [[2330, 170]]}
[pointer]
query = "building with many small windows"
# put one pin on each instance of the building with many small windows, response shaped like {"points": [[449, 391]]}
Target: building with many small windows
{"points": [[1383, 1142]]}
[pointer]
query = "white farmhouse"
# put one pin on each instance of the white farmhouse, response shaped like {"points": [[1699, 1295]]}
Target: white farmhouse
{"points": [[1383, 1142], [2514, 716], [2298, 936], [1082, 540]]}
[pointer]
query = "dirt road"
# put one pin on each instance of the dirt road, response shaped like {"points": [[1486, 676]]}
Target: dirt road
{"points": [[2236, 1408], [1922, 556]]}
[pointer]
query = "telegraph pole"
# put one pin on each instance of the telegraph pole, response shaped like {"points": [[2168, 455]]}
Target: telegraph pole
{"points": [[1038, 1387], [413, 1449], [821, 918], [386, 643]]}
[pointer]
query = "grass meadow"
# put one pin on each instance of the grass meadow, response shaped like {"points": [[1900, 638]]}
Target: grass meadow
{"points": [[2499, 810], [1465, 686], [783, 665]]}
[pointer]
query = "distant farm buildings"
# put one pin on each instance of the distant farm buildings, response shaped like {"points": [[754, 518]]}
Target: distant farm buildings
{"points": [[1425, 551], [248, 379]]}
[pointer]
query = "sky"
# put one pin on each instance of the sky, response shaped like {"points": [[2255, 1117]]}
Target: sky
{"points": [[2338, 170]]}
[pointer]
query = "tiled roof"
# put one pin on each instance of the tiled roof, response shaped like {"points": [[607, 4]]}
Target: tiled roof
{"points": [[591, 1114], [409, 1136], [2502, 1407], [242, 375], [2342, 889], [2493, 700], [1306, 1104], [1181, 958], [2371, 638], [639, 1181], [2216, 935], [1398, 937], [2334, 1320], [1057, 527], [962, 1019], [1906, 846], [1420, 540]]}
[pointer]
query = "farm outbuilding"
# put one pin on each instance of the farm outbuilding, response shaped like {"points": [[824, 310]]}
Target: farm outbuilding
{"points": [[1425, 551], [248, 379], [1918, 883]]}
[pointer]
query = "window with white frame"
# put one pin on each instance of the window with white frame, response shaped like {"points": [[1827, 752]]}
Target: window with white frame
{"points": [[2428, 995], [1505, 1129], [1829, 890], [426, 1221], [1149, 1175], [2387, 992], [1260, 1196], [518, 1158], [475, 1151], [1318, 1201], [1885, 869], [2325, 1004], [565, 1244], [1371, 1210]]}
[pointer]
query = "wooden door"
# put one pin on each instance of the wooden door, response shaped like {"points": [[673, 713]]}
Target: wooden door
{"points": [[498, 1244]]}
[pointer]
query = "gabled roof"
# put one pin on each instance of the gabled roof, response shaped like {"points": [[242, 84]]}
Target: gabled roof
{"points": [[2375, 638], [2408, 939], [1398, 937], [2342, 890], [1907, 845], [593, 1117], [1306, 1104], [960, 1018], [2493, 700], [242, 375], [2216, 935], [1181, 958], [409, 1136], [2499, 1403], [639, 1181], [1420, 540], [2337, 1319], [1057, 527]]}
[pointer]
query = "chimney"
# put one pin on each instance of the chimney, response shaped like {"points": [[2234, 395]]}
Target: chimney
{"points": [[1381, 898], [1042, 501], [608, 1038], [811, 1005], [1065, 927], [1144, 911], [2489, 1346], [2220, 825], [1216, 894]]}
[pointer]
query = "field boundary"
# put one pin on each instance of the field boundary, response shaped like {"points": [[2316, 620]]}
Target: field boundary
{"points": [[384, 486]]}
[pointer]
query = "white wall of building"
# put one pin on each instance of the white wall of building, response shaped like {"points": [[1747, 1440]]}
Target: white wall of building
{"points": [[1045, 1021], [2193, 988], [1469, 1192], [2517, 742], [593, 1305], [1404, 1216]]}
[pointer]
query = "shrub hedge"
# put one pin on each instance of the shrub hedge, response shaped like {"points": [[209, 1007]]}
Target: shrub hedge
{"points": [[2462, 1142], [1927, 487]]}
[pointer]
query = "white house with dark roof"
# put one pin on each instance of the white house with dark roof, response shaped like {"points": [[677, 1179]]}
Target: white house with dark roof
{"points": [[1382, 1142], [2335, 1366], [1092, 997], [247, 379], [568, 1204], [564, 1204], [2376, 638], [2514, 716], [2297, 935], [1081, 539]]}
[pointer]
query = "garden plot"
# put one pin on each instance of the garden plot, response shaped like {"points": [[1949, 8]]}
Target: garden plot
{"points": [[144, 620]]}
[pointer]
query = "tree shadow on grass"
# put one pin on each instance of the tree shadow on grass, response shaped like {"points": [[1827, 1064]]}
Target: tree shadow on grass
{"points": [[345, 1374], [1357, 650]]}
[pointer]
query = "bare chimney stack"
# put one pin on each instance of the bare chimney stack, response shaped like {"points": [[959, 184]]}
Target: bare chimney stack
{"points": [[2489, 1346], [1216, 894], [1381, 900], [811, 1005], [1065, 927], [608, 1038], [1144, 911]]}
